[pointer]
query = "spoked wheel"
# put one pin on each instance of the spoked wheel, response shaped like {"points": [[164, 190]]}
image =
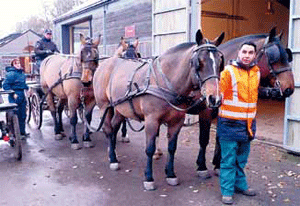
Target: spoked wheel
{"points": [[28, 109], [67, 111], [14, 133], [18, 145], [36, 110], [79, 112]]}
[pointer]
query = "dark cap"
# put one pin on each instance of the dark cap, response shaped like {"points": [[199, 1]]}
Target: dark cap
{"points": [[48, 31]]}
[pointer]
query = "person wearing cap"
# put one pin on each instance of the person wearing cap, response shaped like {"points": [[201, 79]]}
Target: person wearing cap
{"points": [[45, 47], [15, 80]]}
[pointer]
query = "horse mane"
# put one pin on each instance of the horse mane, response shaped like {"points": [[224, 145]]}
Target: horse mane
{"points": [[180, 47], [245, 38]]}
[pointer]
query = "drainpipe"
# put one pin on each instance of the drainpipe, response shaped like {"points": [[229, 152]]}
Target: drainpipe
{"points": [[195, 18], [104, 29]]}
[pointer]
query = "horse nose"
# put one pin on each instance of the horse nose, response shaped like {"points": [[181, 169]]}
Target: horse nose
{"points": [[213, 102], [288, 92]]}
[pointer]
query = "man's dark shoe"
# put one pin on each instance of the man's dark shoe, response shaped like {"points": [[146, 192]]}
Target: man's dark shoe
{"points": [[228, 200], [248, 192]]}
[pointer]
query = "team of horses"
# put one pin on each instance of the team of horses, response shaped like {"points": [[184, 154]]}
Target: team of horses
{"points": [[161, 90]]}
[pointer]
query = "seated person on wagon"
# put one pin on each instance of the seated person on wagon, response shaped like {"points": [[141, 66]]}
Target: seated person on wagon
{"points": [[44, 47]]}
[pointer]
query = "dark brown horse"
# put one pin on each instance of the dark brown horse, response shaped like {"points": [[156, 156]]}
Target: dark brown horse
{"points": [[157, 93], [63, 77], [276, 73]]}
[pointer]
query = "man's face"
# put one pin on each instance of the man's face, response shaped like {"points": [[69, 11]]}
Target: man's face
{"points": [[247, 54], [48, 35]]}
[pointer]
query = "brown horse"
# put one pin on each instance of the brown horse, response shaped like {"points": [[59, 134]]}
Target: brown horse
{"points": [[63, 77], [157, 93], [276, 73]]}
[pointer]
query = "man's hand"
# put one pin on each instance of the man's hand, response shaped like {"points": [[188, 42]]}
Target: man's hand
{"points": [[15, 96]]}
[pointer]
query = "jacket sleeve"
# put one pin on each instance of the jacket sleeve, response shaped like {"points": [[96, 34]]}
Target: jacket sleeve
{"points": [[8, 81], [225, 80], [39, 48]]}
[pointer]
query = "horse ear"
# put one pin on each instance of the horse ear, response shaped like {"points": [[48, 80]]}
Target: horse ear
{"points": [[82, 39], [290, 54], [199, 37], [219, 39], [97, 41], [123, 44], [136, 42], [272, 33], [280, 35]]}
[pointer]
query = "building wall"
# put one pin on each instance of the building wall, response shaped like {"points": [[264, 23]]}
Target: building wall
{"points": [[255, 18], [119, 14]]}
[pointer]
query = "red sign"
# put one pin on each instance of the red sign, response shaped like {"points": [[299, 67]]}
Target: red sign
{"points": [[130, 31]]}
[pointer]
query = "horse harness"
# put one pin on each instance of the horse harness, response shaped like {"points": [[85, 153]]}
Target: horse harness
{"points": [[168, 94], [272, 53]]}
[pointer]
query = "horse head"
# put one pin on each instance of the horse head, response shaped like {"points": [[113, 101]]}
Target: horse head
{"points": [[88, 57], [208, 62], [274, 61], [127, 50]]}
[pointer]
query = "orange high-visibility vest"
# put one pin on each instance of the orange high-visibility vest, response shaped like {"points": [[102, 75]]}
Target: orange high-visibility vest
{"points": [[239, 88]]}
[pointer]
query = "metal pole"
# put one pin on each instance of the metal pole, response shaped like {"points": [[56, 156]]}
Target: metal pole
{"points": [[104, 29]]}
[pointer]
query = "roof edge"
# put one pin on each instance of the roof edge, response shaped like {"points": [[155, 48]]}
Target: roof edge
{"points": [[80, 10]]}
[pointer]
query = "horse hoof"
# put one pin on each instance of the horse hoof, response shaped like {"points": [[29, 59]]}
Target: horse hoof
{"points": [[172, 181], [204, 174], [114, 166], [75, 146], [88, 144], [58, 137], [217, 172], [125, 139], [149, 186]]}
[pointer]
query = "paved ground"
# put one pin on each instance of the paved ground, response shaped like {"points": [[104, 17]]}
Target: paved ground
{"points": [[53, 174]]}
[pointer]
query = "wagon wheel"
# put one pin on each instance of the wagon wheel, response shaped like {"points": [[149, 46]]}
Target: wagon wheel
{"points": [[79, 112], [28, 109], [67, 111], [18, 145], [14, 131], [36, 109]]}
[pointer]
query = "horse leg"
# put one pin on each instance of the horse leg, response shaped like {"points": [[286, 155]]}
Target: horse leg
{"points": [[158, 152], [60, 109], [204, 125], [73, 104], [87, 142], [217, 157], [50, 103], [173, 132], [151, 129], [124, 132], [111, 132]]}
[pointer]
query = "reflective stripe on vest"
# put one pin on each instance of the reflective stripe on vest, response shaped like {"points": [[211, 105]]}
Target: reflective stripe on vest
{"points": [[235, 108]]}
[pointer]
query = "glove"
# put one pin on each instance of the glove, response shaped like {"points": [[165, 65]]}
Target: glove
{"points": [[48, 51]]}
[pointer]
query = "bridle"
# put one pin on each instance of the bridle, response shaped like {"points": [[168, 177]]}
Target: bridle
{"points": [[195, 64], [272, 60]]}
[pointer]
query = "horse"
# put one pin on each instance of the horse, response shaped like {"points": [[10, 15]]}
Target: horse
{"points": [[64, 78], [156, 92], [276, 78]]}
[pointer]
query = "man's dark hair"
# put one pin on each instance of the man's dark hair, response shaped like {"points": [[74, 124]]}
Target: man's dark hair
{"points": [[249, 43]]}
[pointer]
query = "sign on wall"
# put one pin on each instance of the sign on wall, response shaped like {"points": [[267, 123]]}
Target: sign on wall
{"points": [[130, 31]]}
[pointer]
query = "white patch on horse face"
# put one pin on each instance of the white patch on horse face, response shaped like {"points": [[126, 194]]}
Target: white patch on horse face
{"points": [[211, 55], [214, 65]]}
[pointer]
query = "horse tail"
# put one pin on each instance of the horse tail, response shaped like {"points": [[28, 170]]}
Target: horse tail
{"points": [[101, 122]]}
